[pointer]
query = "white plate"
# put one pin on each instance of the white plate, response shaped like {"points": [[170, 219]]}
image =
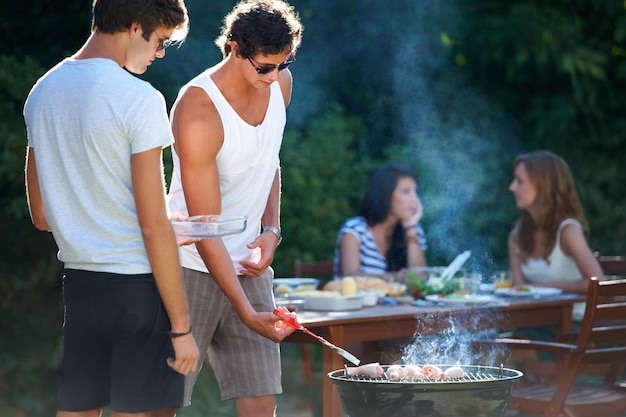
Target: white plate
{"points": [[208, 226], [330, 303], [293, 283], [529, 292], [462, 299], [294, 286]]}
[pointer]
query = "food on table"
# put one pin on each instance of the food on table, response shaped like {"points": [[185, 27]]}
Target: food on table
{"points": [[365, 283], [503, 283], [304, 287], [348, 286], [289, 286], [420, 286], [282, 289], [319, 293], [372, 370]]}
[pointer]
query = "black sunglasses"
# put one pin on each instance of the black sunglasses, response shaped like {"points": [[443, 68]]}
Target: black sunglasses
{"points": [[269, 68]]}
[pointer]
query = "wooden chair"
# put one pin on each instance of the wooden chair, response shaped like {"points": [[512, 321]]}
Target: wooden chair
{"points": [[612, 265], [312, 269], [600, 341]]}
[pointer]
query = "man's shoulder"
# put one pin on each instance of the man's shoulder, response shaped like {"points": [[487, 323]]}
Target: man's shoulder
{"points": [[196, 89]]}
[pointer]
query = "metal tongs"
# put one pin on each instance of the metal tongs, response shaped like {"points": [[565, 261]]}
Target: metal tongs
{"points": [[296, 325]]}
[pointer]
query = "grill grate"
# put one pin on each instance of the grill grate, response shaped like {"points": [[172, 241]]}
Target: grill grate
{"points": [[468, 377], [492, 374]]}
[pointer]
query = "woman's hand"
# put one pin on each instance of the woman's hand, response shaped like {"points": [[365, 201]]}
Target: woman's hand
{"points": [[415, 216]]}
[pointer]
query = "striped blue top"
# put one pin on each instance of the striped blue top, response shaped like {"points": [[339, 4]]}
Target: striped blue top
{"points": [[372, 261]]}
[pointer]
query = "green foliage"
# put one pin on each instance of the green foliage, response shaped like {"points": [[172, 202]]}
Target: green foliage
{"points": [[559, 67], [29, 271], [455, 89], [16, 78], [47, 29], [322, 182]]}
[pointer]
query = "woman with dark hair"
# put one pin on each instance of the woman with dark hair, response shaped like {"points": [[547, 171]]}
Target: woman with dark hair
{"points": [[548, 245], [386, 236]]}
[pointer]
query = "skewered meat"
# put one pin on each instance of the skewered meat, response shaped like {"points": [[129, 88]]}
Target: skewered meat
{"points": [[453, 372], [372, 370], [413, 372], [433, 372], [395, 372]]}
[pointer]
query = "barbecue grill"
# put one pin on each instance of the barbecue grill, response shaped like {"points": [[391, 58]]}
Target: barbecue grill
{"points": [[482, 391]]}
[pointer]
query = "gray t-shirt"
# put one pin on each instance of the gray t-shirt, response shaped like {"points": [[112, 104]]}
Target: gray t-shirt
{"points": [[85, 119]]}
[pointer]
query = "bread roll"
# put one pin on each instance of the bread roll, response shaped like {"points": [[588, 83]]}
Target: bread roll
{"points": [[369, 283]]}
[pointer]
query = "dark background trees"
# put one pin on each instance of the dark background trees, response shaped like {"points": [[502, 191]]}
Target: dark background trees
{"points": [[456, 89]]}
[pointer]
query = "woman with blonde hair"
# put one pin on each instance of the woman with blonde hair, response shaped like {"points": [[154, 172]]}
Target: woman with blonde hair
{"points": [[548, 245]]}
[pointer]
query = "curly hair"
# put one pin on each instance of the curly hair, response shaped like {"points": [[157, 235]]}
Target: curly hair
{"points": [[110, 16], [267, 26], [556, 201]]}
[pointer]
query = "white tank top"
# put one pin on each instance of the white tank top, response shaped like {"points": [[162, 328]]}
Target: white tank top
{"points": [[247, 163], [561, 267]]}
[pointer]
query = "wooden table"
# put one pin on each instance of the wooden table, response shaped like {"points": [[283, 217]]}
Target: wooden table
{"points": [[403, 321]]}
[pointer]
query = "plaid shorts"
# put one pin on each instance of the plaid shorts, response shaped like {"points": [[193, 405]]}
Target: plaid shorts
{"points": [[245, 363]]}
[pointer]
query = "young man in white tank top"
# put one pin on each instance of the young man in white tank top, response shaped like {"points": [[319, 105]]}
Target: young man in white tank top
{"points": [[228, 124]]}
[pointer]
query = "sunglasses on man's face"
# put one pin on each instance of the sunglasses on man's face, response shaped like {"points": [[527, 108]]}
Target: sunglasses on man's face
{"points": [[269, 68]]}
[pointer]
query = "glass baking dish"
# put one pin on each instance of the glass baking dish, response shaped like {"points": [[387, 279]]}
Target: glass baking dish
{"points": [[208, 226]]}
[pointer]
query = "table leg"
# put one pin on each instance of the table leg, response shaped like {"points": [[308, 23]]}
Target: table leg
{"points": [[331, 404], [566, 320]]}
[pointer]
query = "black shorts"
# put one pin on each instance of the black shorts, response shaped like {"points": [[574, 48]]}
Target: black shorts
{"points": [[115, 345]]}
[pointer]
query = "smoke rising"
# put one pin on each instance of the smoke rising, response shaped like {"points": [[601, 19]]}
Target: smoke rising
{"points": [[454, 345], [461, 143]]}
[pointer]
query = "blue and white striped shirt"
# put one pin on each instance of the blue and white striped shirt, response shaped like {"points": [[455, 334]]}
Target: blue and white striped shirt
{"points": [[372, 261]]}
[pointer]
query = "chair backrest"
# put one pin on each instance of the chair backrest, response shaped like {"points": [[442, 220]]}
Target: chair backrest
{"points": [[612, 265], [312, 269], [600, 343], [604, 322]]}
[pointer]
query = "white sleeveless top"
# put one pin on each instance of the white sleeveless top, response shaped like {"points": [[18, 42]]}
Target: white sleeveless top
{"points": [[561, 267], [247, 163]]}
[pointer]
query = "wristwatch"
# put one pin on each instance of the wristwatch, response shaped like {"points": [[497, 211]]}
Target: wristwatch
{"points": [[275, 231]]}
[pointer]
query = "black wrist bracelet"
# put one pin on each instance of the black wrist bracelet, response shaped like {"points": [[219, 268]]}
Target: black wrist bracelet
{"points": [[173, 335], [413, 226]]}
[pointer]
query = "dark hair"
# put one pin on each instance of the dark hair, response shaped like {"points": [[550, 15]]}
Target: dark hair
{"points": [[267, 26], [111, 16], [376, 205]]}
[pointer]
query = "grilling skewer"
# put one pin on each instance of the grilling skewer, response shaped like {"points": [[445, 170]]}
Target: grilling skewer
{"points": [[296, 325]]}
